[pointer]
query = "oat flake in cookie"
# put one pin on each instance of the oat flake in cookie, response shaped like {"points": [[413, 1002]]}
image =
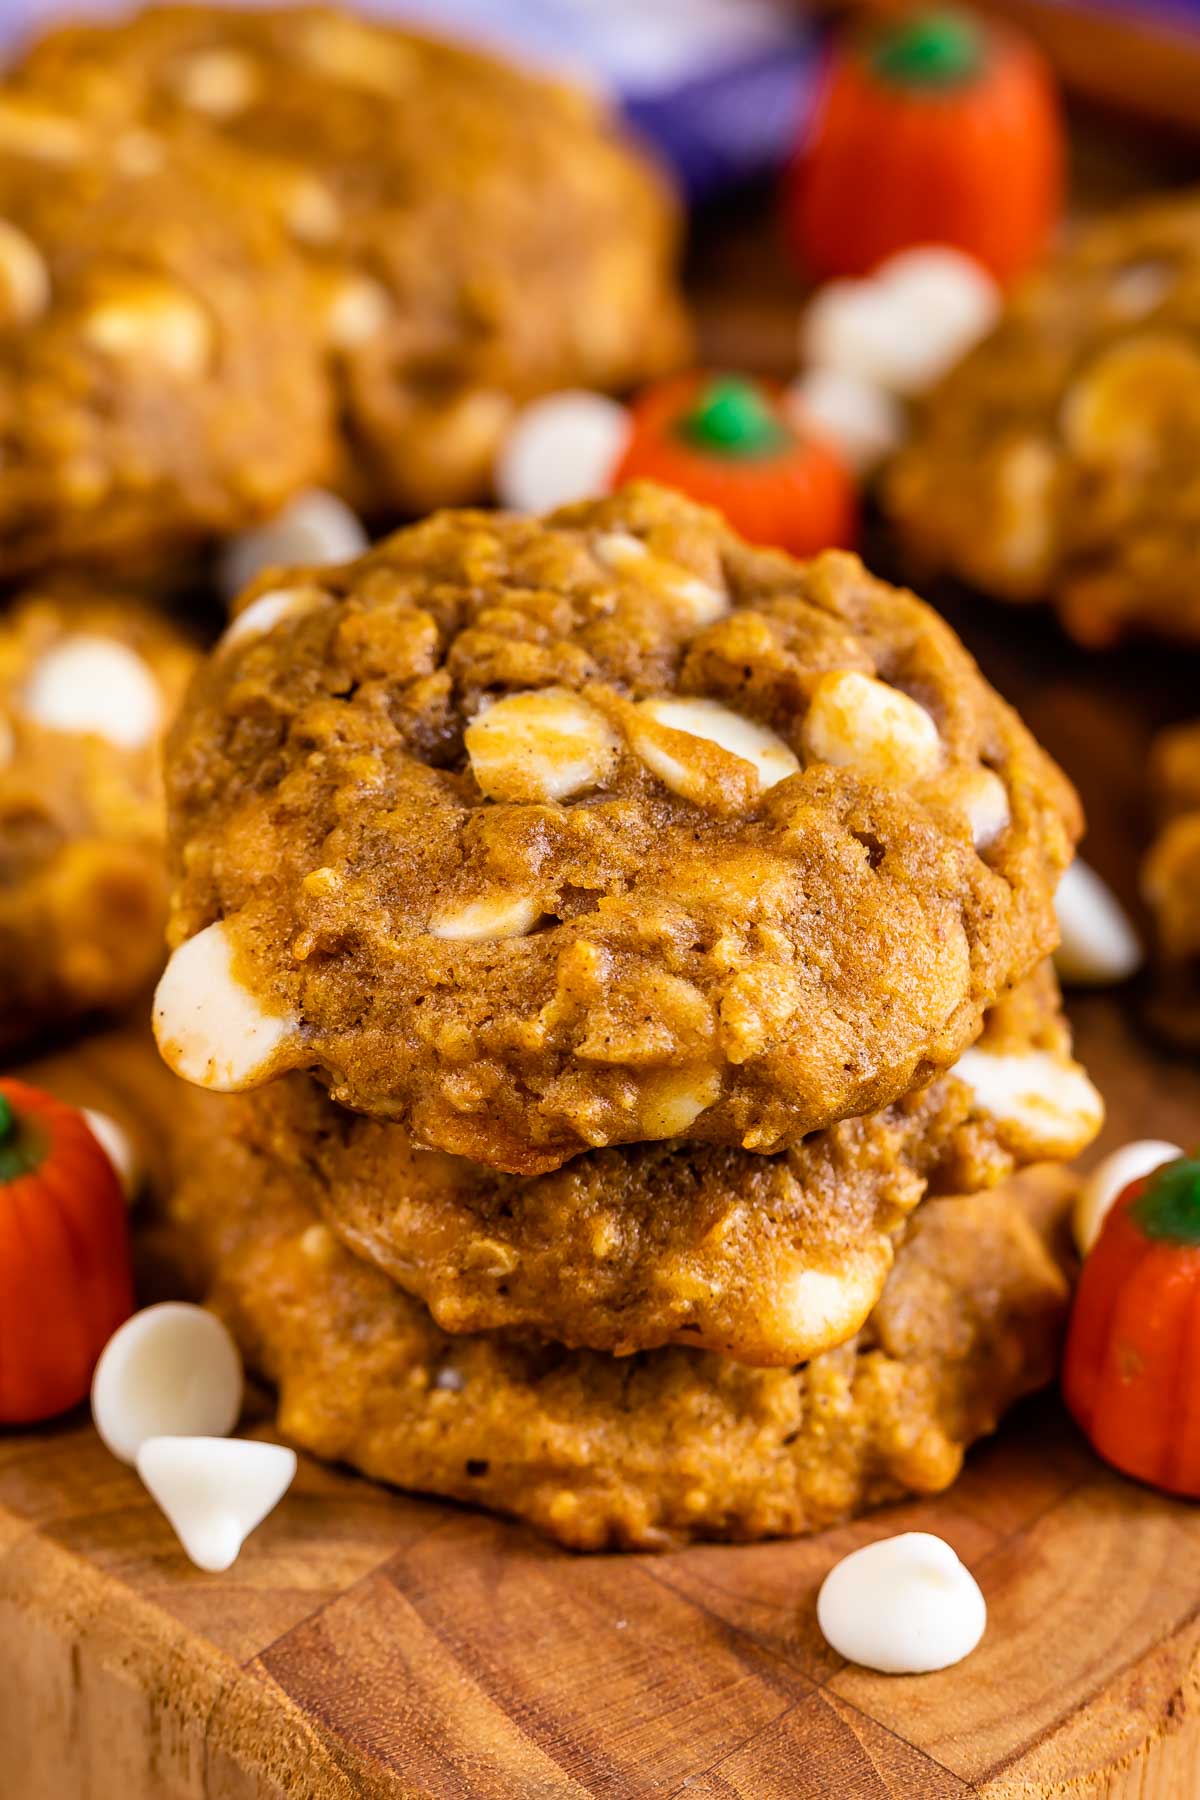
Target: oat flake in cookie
{"points": [[477, 234], [541, 836], [1059, 459]]}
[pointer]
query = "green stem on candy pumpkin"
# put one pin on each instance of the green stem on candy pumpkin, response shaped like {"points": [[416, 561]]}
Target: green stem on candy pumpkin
{"points": [[21, 1150], [931, 50], [731, 418], [1168, 1207]]}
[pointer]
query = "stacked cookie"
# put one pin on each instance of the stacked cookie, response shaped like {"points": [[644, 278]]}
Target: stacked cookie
{"points": [[628, 947]]}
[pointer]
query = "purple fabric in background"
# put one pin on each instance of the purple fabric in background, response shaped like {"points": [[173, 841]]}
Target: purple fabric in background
{"points": [[720, 86]]}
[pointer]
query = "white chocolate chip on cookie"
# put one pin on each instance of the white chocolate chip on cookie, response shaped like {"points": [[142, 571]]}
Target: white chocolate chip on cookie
{"points": [[672, 1099], [717, 724], [218, 82], [24, 277], [1042, 1103], [358, 312], [88, 683], [210, 1029], [268, 611], [980, 794], [488, 921], [152, 320], [547, 744], [27, 129], [857, 722], [624, 553]]}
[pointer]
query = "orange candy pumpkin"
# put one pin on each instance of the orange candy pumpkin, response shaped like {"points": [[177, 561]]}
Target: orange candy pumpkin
{"points": [[65, 1275], [727, 443], [935, 128], [1130, 1375]]}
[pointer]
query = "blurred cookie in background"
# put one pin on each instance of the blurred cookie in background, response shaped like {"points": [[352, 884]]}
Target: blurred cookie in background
{"points": [[89, 682], [478, 235], [1171, 883]]}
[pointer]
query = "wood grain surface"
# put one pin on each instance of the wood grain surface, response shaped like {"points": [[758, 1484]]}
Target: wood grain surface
{"points": [[370, 1644]]}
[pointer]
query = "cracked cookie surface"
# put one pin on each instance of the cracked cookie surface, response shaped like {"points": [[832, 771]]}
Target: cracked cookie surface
{"points": [[1059, 459], [542, 836]]}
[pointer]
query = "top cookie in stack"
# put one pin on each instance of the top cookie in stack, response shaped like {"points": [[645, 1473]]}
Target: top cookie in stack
{"points": [[542, 837], [694, 899], [419, 236]]}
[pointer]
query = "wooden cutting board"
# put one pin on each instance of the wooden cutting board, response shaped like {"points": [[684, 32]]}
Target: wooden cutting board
{"points": [[370, 1645]]}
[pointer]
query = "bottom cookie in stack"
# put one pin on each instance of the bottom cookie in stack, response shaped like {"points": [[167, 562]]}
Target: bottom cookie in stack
{"points": [[667, 1443]]}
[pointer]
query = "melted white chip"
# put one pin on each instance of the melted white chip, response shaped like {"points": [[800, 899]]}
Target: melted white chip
{"points": [[215, 1490], [1045, 1101], [24, 277], [117, 1145], [316, 528], [559, 449], [860, 418], [360, 310], [857, 722], [268, 611], [171, 1369], [717, 724], [673, 1099], [985, 802], [823, 1308], [93, 684], [546, 744], [487, 921], [905, 1605], [1099, 945], [219, 82], [1109, 1179], [210, 1029], [154, 325]]}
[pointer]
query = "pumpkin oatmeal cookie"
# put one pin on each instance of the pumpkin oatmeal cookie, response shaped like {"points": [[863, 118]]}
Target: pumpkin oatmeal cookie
{"points": [[480, 235], [1061, 459], [1171, 883], [158, 379], [768, 1259], [88, 683], [638, 1452], [537, 837]]}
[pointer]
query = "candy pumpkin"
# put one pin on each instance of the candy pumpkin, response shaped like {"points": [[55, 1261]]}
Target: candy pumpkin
{"points": [[65, 1280], [1134, 1339], [934, 128], [728, 443]]}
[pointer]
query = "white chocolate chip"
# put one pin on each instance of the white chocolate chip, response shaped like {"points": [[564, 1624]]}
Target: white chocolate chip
{"points": [[27, 129], [91, 684], [487, 921], [860, 418], [360, 310], [625, 554], [24, 277], [561, 448], [857, 722], [315, 528], [117, 1145], [219, 82], [171, 1369], [8, 741], [1141, 287], [673, 1099], [1109, 1179], [1099, 945], [546, 744], [139, 152], [152, 321], [983, 797], [904, 1606], [1042, 1102], [903, 327], [311, 212], [210, 1029], [268, 611], [214, 1490], [716, 724], [823, 1309]]}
